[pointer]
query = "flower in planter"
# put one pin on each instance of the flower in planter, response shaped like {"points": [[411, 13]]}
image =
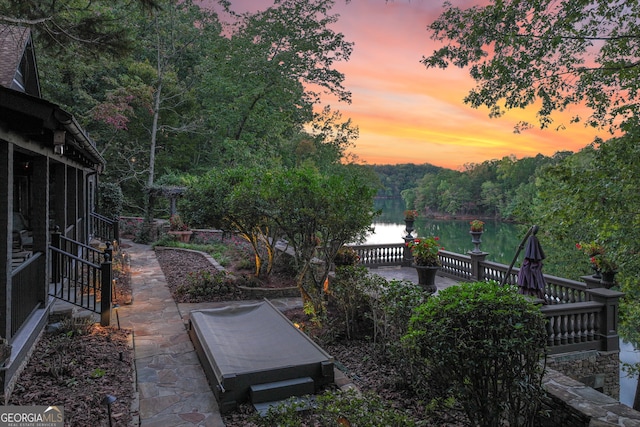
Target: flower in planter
{"points": [[177, 224], [477, 225], [597, 256], [410, 214], [425, 251]]}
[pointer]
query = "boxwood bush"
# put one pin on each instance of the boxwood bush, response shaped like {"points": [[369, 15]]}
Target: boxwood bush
{"points": [[481, 345]]}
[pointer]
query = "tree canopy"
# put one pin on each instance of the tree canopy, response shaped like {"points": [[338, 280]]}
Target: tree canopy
{"points": [[547, 53], [81, 26]]}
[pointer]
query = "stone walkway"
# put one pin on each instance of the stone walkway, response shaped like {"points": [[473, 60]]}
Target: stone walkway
{"points": [[172, 387]]}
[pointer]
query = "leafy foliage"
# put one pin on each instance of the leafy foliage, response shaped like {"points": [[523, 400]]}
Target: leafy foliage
{"points": [[82, 27], [261, 83], [392, 305], [110, 199], [592, 195], [425, 250], [205, 286], [317, 214], [551, 54], [236, 199], [335, 408], [348, 292], [481, 344], [502, 189]]}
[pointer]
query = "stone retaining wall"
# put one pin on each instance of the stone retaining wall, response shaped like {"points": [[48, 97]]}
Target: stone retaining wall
{"points": [[261, 293], [596, 369], [571, 403]]}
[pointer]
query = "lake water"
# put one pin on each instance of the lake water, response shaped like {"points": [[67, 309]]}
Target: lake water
{"points": [[500, 240]]}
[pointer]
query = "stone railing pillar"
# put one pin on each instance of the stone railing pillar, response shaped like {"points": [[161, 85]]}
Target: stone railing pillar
{"points": [[407, 257], [477, 273], [591, 282], [609, 318]]}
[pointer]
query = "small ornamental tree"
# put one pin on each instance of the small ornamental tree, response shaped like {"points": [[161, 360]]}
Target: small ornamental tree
{"points": [[234, 199], [318, 213], [482, 345]]}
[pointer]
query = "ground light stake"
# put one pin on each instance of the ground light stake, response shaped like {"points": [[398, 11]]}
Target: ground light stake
{"points": [[108, 400]]}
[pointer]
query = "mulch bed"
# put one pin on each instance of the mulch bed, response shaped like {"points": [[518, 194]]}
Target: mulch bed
{"points": [[75, 370]]}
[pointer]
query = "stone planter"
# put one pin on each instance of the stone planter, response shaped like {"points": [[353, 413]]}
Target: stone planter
{"points": [[608, 279], [182, 236], [427, 277], [409, 226], [475, 239]]}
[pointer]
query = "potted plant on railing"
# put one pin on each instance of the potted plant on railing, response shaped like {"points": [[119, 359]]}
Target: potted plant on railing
{"points": [[179, 229], [425, 252], [410, 216], [605, 268], [477, 228]]}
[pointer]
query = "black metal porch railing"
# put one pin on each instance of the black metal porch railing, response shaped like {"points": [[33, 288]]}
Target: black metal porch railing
{"points": [[104, 228], [580, 317], [81, 275], [26, 290]]}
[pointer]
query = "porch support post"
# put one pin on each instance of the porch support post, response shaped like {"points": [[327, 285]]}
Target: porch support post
{"points": [[59, 201], [71, 203], [40, 220], [609, 318], [6, 236]]}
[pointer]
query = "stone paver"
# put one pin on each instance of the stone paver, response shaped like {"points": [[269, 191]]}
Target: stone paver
{"points": [[410, 274]]}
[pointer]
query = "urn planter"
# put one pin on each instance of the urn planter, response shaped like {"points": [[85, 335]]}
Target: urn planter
{"points": [[475, 239], [409, 226], [427, 277], [608, 279]]}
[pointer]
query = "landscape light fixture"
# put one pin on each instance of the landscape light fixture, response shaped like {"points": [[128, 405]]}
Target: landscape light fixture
{"points": [[59, 137], [115, 310], [108, 400]]}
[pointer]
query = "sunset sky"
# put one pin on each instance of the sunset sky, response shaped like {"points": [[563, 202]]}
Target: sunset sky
{"points": [[407, 113]]}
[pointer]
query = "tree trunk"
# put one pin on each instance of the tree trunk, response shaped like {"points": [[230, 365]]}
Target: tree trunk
{"points": [[636, 400]]}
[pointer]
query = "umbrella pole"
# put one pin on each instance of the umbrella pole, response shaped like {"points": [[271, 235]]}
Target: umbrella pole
{"points": [[533, 230]]}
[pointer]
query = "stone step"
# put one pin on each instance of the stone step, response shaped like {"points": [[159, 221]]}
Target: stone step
{"points": [[280, 390]]}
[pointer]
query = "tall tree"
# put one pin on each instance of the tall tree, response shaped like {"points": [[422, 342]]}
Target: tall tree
{"points": [[76, 25], [263, 81], [548, 53], [152, 107]]}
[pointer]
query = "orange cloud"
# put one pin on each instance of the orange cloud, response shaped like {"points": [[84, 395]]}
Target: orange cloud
{"points": [[407, 113]]}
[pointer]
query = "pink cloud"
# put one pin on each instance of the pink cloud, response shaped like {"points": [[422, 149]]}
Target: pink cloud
{"points": [[407, 113]]}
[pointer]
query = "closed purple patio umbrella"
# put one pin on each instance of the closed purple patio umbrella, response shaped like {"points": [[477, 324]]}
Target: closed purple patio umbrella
{"points": [[530, 278]]}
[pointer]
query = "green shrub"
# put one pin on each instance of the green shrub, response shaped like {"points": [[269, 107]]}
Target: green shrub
{"points": [[346, 256], [336, 408], [348, 295], [484, 346], [110, 199], [392, 305], [205, 286], [130, 226]]}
